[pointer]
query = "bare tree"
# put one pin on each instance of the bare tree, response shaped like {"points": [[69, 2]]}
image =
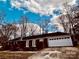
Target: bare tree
{"points": [[71, 14], [23, 21], [2, 18], [33, 28], [76, 28], [43, 24], [8, 30], [63, 20], [3, 38]]}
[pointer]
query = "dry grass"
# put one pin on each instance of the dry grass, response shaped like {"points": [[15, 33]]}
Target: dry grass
{"points": [[14, 55]]}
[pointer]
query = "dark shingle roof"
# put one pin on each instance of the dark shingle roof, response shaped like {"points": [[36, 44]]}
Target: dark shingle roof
{"points": [[41, 36]]}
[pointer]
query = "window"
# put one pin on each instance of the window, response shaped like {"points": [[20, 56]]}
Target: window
{"points": [[68, 37], [50, 39], [57, 38]]}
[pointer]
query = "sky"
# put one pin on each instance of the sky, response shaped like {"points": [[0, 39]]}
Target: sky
{"points": [[14, 14], [34, 10]]}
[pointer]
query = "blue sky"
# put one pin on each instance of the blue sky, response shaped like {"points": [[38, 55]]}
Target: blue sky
{"points": [[14, 14]]}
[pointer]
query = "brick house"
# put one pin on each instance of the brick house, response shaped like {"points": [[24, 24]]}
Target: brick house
{"points": [[38, 42]]}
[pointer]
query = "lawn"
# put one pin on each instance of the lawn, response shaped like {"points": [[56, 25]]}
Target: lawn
{"points": [[15, 54]]}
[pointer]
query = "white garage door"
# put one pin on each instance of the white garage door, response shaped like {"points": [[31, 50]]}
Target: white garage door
{"points": [[60, 42]]}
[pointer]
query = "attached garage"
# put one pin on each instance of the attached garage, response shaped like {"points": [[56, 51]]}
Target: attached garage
{"points": [[60, 41]]}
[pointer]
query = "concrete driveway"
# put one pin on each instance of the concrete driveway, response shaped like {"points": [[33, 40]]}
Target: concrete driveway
{"points": [[57, 53]]}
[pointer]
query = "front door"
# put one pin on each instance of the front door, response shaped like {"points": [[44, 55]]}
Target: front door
{"points": [[45, 43], [39, 44]]}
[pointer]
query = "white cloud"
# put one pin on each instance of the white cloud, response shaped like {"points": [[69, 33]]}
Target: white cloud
{"points": [[73, 2], [15, 4], [38, 6]]}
